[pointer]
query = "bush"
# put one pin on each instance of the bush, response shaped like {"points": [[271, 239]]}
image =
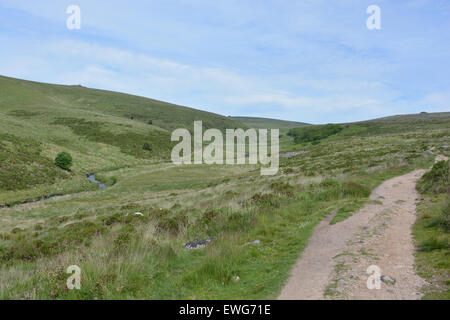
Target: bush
{"points": [[314, 133], [150, 121], [441, 220], [283, 188], [263, 200], [172, 225], [147, 147], [436, 180], [64, 160]]}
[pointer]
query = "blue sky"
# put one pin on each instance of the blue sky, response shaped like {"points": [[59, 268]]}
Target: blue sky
{"points": [[312, 60]]}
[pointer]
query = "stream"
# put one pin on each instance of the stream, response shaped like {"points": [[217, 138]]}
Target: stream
{"points": [[91, 177]]}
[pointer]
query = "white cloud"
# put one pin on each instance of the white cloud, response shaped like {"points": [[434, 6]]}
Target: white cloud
{"points": [[438, 101]]}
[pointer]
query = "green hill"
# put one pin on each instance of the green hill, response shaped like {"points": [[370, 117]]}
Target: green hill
{"points": [[381, 126], [102, 130], [129, 239], [266, 123], [406, 123]]}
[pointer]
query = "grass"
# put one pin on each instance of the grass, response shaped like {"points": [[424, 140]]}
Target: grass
{"points": [[143, 257], [347, 210], [266, 123], [125, 256], [102, 130], [432, 232]]}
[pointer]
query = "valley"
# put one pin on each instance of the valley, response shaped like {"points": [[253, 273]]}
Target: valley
{"points": [[260, 224]]}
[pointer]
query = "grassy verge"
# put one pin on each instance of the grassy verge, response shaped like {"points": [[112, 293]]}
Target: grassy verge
{"points": [[432, 232]]}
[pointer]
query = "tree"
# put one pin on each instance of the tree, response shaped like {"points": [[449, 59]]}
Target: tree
{"points": [[64, 160]]}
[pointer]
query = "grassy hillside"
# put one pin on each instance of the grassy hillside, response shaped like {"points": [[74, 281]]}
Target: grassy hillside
{"points": [[126, 256], [286, 141], [266, 123], [389, 125], [102, 130]]}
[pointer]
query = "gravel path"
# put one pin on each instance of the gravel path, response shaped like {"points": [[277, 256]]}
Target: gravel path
{"points": [[335, 261]]}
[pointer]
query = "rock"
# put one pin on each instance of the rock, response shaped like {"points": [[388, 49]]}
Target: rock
{"points": [[429, 153], [352, 276], [445, 147], [135, 214], [388, 280], [236, 278], [198, 244], [254, 242]]}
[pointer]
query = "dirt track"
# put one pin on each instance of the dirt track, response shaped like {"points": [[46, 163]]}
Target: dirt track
{"points": [[335, 261]]}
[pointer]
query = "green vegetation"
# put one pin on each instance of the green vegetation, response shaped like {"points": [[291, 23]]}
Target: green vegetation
{"points": [[64, 160], [102, 130], [314, 133], [437, 180], [347, 210], [21, 165], [382, 126], [266, 123], [432, 231], [126, 256], [147, 146]]}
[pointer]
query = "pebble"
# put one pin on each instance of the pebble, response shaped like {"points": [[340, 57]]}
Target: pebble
{"points": [[388, 280], [198, 244]]}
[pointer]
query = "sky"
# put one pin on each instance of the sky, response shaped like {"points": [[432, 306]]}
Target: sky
{"points": [[312, 61]]}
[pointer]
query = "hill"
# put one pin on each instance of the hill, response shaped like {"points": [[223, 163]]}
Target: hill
{"points": [[130, 238], [101, 129], [269, 123], [381, 126]]}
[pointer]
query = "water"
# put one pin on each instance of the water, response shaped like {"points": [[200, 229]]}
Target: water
{"points": [[91, 177]]}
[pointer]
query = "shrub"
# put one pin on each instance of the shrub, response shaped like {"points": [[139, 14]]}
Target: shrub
{"points": [[113, 180], [124, 237], [63, 160], [147, 146], [283, 188], [436, 180], [264, 200], [314, 133], [150, 121], [172, 225], [441, 220]]}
